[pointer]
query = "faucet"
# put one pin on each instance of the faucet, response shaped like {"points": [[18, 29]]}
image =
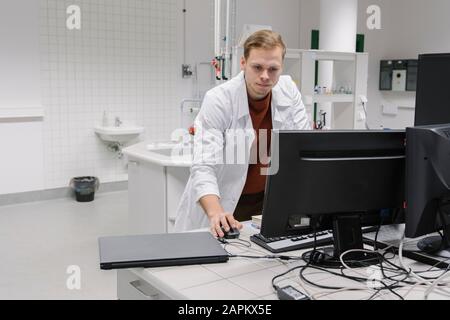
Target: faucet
{"points": [[118, 122], [192, 110]]}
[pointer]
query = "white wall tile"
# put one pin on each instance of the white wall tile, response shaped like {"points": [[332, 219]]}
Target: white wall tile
{"points": [[123, 61]]}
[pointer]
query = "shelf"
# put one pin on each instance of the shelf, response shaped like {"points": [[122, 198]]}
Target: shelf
{"points": [[323, 98], [21, 114], [293, 55], [337, 56], [322, 55], [349, 68]]}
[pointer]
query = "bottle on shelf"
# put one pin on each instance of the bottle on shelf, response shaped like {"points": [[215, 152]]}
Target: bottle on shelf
{"points": [[105, 120]]}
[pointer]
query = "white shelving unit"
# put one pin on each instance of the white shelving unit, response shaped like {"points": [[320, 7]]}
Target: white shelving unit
{"points": [[349, 70], [324, 98]]}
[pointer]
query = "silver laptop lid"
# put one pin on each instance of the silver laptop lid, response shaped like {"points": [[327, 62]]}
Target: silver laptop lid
{"points": [[159, 247]]}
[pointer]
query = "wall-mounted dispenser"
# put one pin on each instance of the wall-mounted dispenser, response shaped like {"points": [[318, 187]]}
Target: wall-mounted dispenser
{"points": [[398, 75]]}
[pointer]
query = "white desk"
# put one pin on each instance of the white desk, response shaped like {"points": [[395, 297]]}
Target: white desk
{"points": [[244, 278]]}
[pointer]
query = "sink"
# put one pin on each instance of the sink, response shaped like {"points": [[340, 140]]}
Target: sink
{"points": [[174, 151], [163, 152], [121, 134]]}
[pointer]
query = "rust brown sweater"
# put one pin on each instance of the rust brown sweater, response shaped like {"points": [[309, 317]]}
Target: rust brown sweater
{"points": [[261, 115]]}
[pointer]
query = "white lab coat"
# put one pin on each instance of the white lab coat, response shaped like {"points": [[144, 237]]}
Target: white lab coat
{"points": [[226, 108]]}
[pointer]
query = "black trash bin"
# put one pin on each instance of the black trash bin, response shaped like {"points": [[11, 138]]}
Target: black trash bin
{"points": [[84, 188]]}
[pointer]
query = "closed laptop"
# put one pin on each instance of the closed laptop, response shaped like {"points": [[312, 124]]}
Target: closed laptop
{"points": [[158, 250]]}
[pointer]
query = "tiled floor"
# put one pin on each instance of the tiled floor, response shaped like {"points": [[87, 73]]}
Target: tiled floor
{"points": [[39, 241]]}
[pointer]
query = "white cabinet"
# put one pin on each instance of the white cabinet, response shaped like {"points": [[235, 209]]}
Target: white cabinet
{"points": [[349, 73], [146, 198], [176, 180], [155, 185]]}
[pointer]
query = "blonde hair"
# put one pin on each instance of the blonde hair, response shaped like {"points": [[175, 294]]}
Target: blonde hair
{"points": [[265, 39]]}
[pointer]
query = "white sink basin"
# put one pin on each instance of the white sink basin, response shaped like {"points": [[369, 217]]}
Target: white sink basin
{"points": [[153, 146], [120, 134], [167, 154], [171, 151], [163, 152]]}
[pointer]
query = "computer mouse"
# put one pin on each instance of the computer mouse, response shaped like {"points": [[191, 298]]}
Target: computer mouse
{"points": [[233, 233]]}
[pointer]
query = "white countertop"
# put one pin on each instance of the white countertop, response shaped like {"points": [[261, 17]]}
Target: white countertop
{"points": [[158, 153], [244, 278]]}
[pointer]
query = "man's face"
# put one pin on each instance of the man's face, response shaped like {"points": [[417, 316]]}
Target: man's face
{"points": [[262, 70]]}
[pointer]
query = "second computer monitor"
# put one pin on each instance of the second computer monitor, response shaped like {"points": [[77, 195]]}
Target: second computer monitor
{"points": [[433, 96], [428, 186]]}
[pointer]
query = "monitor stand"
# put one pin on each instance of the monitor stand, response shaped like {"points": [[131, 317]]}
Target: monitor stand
{"points": [[347, 235], [437, 245]]}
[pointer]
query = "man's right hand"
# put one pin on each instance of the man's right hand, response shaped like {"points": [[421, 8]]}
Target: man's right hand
{"points": [[217, 216], [222, 219]]}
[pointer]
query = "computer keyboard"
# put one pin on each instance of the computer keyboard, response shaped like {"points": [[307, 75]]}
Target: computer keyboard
{"points": [[283, 244]]}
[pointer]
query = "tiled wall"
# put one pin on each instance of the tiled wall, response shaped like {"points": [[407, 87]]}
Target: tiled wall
{"points": [[123, 61]]}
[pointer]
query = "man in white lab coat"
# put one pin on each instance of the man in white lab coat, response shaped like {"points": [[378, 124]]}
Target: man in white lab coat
{"points": [[222, 191]]}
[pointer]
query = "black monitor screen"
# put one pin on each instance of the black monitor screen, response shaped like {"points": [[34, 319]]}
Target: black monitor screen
{"points": [[325, 173], [428, 182], [433, 94], [324, 180]]}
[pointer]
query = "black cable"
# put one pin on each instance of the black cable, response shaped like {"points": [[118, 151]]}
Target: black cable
{"points": [[282, 257], [442, 235], [314, 246], [434, 278], [308, 265], [275, 287], [368, 265], [264, 257], [242, 242], [408, 274], [393, 254], [402, 272], [376, 234], [396, 266], [398, 269], [391, 287], [329, 271], [315, 238], [374, 295], [396, 282], [388, 287], [426, 278], [357, 279], [248, 244], [395, 285], [435, 266], [235, 242]]}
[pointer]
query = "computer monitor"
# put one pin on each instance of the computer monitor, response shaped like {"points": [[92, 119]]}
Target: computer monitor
{"points": [[428, 186], [433, 94], [332, 180]]}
